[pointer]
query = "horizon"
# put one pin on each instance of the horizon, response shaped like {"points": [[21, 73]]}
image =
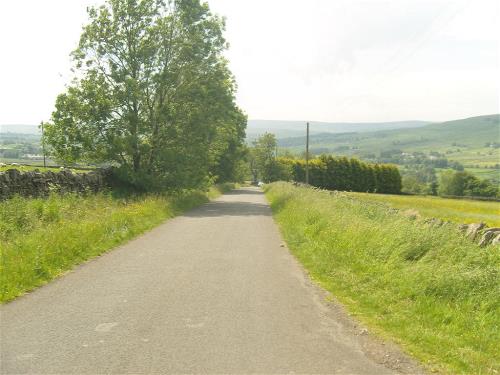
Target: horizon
{"points": [[368, 61], [330, 122]]}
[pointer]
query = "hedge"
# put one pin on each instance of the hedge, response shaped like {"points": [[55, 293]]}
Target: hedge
{"points": [[341, 173]]}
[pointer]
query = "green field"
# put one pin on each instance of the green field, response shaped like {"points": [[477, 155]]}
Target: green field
{"points": [[460, 211], [41, 239], [425, 287]]}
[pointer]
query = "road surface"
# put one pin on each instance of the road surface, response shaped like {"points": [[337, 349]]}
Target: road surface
{"points": [[212, 291]]}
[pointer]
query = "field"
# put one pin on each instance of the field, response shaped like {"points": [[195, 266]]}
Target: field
{"points": [[460, 211], [485, 173], [465, 141], [481, 173], [41, 239], [424, 287]]}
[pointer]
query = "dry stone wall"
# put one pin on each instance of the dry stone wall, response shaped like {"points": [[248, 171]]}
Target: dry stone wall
{"points": [[39, 184], [479, 233]]}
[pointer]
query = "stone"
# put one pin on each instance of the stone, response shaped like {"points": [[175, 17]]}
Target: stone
{"points": [[494, 229], [488, 237], [411, 214], [473, 230], [496, 240]]}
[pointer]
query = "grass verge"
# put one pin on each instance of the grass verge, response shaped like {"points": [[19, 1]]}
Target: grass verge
{"points": [[424, 287], [40, 239]]}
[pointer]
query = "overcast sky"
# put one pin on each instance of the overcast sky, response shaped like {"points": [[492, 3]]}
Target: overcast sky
{"points": [[323, 60]]}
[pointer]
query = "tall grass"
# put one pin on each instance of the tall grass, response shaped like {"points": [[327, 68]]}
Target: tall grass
{"points": [[42, 238], [425, 287]]}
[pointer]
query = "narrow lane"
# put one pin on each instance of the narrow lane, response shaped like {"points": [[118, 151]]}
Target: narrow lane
{"points": [[212, 291]]}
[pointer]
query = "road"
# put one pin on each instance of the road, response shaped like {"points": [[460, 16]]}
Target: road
{"points": [[212, 291]]}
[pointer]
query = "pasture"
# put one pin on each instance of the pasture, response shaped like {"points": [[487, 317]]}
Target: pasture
{"points": [[462, 211]]}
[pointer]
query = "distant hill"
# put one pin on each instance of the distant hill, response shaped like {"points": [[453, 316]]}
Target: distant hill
{"points": [[285, 129], [20, 129], [472, 132]]}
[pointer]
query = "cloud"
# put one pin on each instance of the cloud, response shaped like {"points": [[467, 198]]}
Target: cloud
{"points": [[333, 60]]}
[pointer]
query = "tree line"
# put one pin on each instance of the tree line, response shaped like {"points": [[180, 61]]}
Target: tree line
{"points": [[467, 185], [152, 96]]}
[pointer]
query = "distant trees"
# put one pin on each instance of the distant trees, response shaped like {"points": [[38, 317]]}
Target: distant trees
{"points": [[153, 95], [466, 184], [263, 160], [419, 179]]}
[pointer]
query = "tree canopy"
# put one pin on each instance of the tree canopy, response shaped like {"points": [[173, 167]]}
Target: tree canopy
{"points": [[153, 95]]}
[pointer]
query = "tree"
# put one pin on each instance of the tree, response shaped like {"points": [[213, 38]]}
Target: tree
{"points": [[466, 184], [262, 155], [152, 95]]}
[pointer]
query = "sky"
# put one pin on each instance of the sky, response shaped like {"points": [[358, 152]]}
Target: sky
{"points": [[317, 60]]}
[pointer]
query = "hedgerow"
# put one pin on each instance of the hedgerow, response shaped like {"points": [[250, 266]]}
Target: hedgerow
{"points": [[341, 173]]}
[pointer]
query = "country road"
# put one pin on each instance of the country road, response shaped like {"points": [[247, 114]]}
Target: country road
{"points": [[211, 291]]}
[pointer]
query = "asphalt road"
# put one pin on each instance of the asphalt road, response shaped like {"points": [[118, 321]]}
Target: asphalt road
{"points": [[212, 291]]}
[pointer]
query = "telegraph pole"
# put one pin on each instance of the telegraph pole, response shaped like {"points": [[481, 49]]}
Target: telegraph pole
{"points": [[307, 155], [43, 147]]}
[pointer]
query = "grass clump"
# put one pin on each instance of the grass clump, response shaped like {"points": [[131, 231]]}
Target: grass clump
{"points": [[425, 287], [42, 238], [461, 211]]}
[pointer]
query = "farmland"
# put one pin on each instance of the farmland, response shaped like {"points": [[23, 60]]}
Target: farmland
{"points": [[463, 139], [455, 210], [472, 142]]}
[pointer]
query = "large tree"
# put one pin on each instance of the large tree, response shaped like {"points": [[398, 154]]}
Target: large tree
{"points": [[153, 94]]}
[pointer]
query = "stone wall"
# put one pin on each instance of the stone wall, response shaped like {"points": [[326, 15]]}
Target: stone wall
{"points": [[477, 232], [480, 233], [39, 184]]}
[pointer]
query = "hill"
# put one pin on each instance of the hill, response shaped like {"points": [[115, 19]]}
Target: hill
{"points": [[285, 129], [471, 141], [19, 129]]}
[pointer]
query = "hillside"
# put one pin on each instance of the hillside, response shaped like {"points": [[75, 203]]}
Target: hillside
{"points": [[285, 129], [20, 129], [461, 140]]}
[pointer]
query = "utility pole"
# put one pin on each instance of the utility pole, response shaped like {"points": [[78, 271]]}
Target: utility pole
{"points": [[43, 147], [307, 155]]}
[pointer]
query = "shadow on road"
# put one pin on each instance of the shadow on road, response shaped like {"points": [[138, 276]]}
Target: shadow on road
{"points": [[245, 191], [224, 208]]}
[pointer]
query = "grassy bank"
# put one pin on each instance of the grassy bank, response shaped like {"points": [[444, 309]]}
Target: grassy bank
{"points": [[42, 238], [425, 287], [460, 211]]}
